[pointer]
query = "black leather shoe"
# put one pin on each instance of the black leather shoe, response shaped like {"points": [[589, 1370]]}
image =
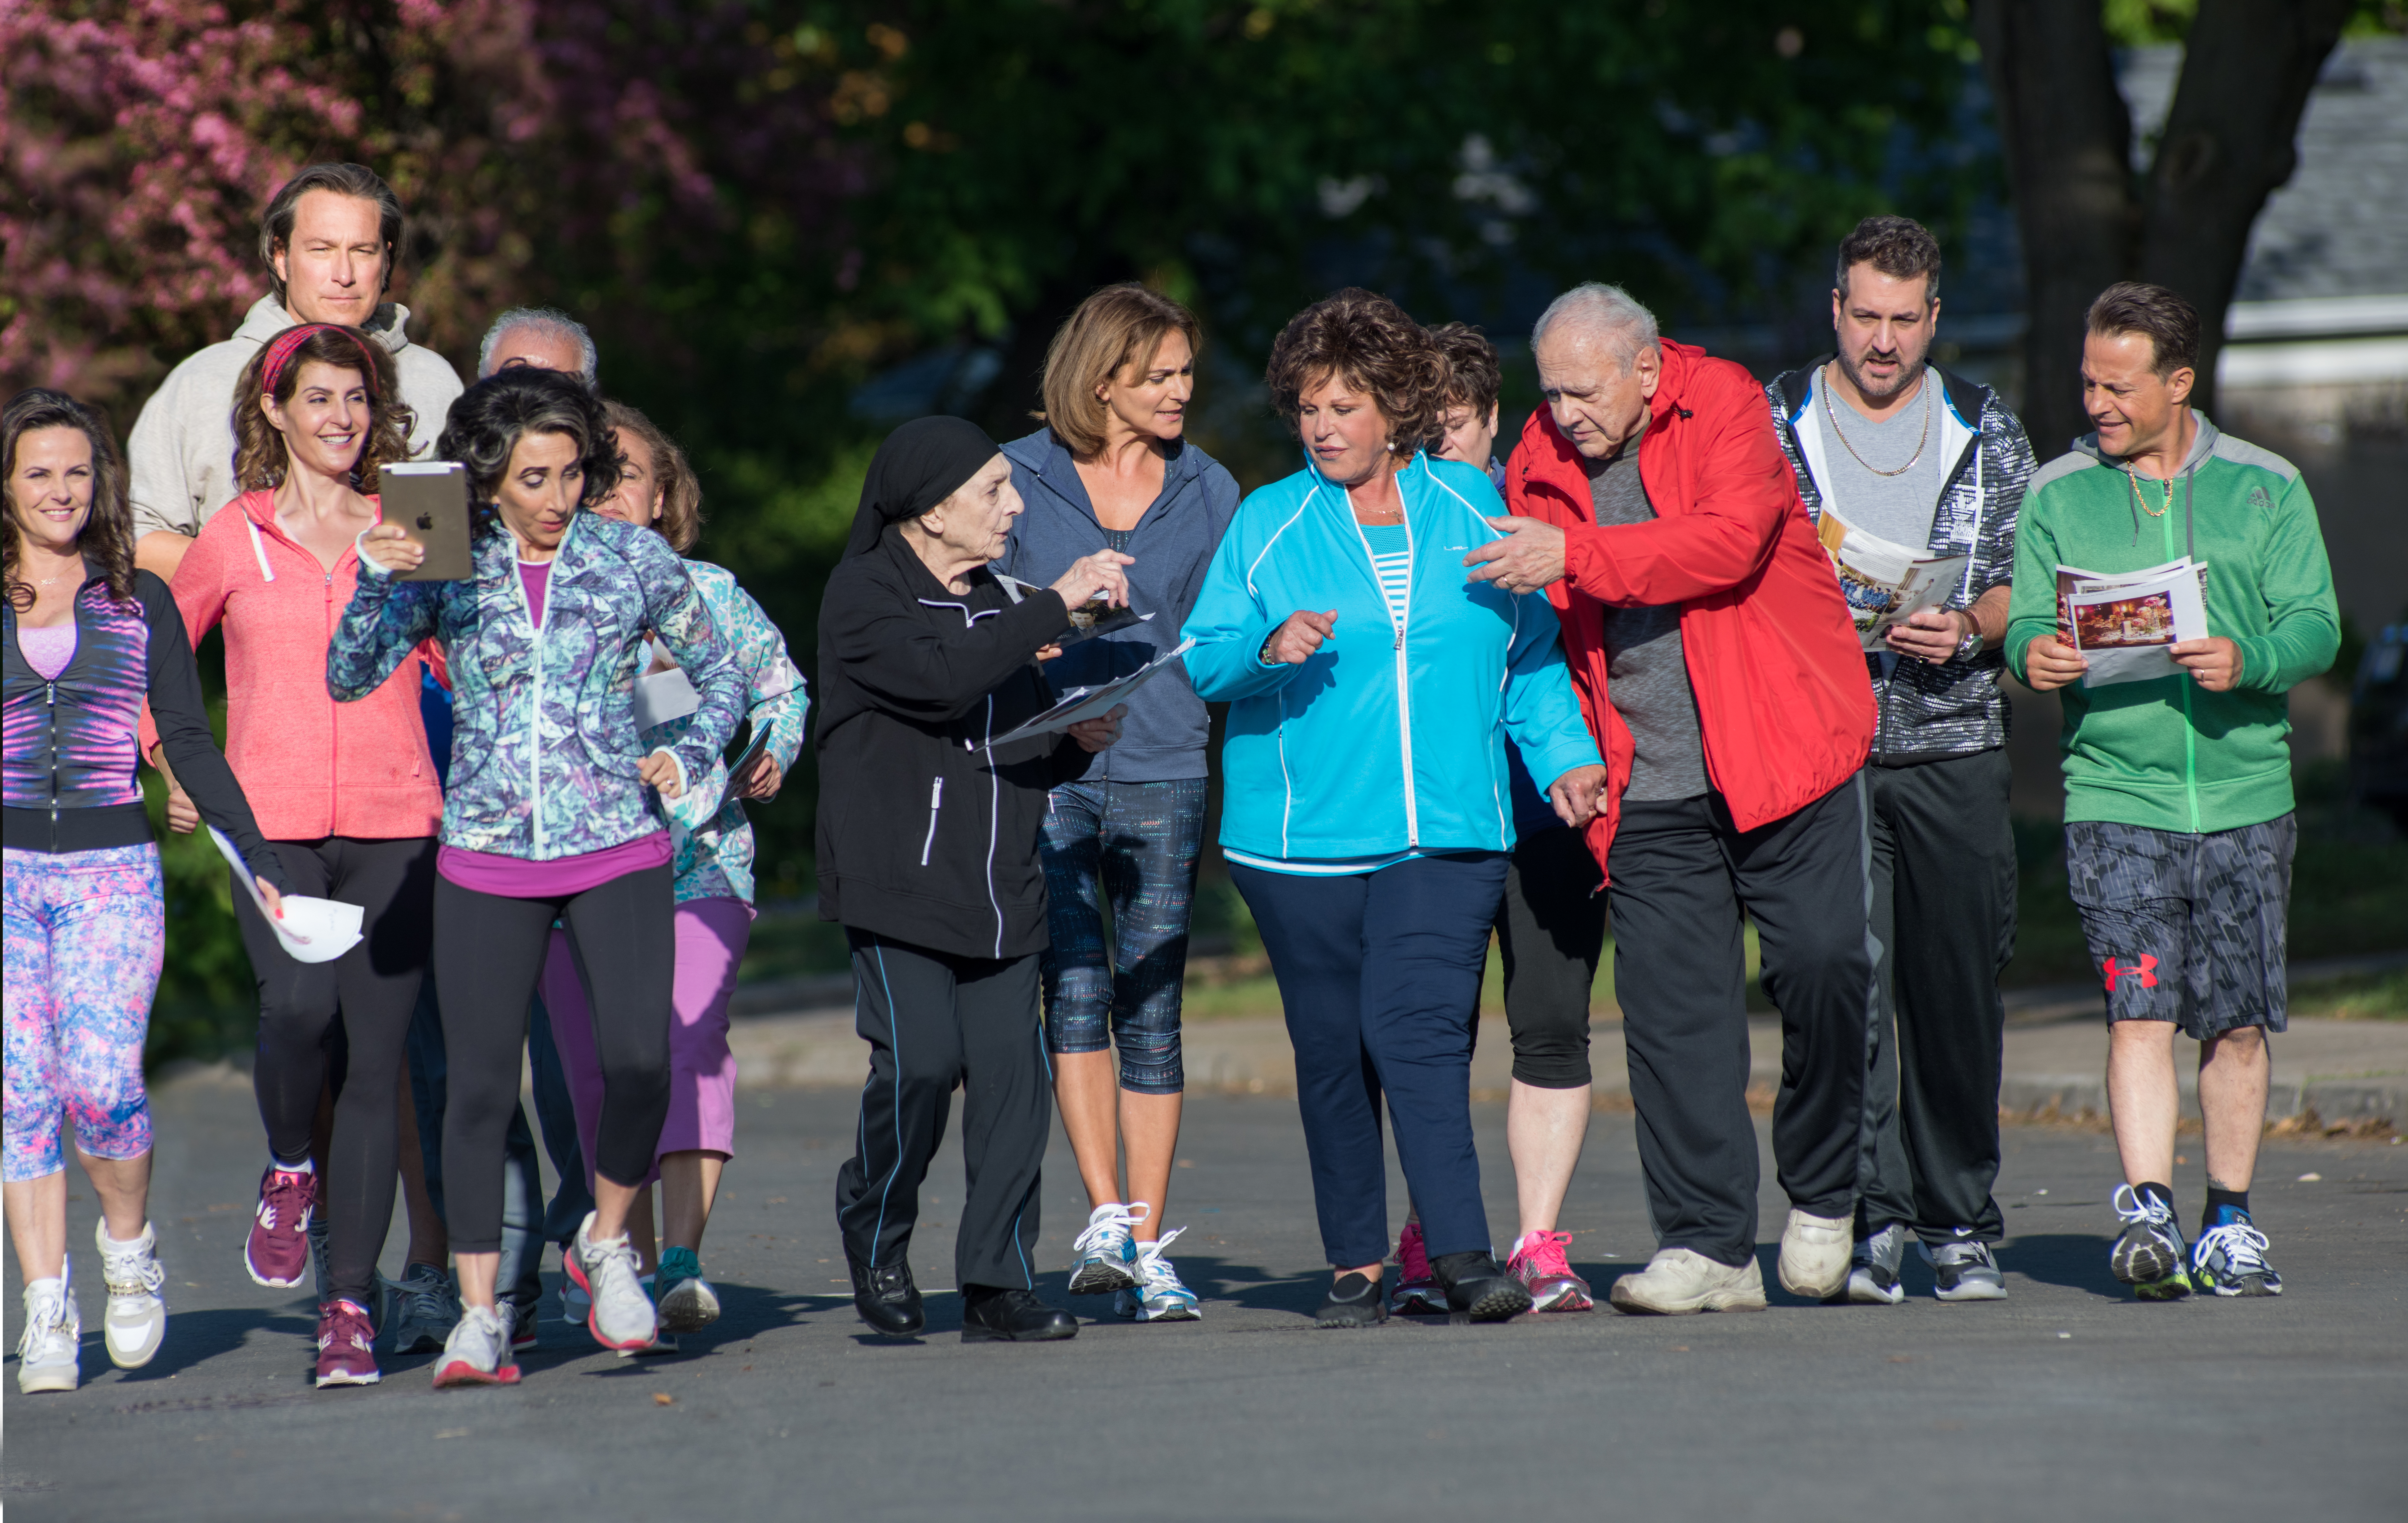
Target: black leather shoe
{"points": [[1354, 1301], [886, 1298], [1015, 1317], [1474, 1285]]}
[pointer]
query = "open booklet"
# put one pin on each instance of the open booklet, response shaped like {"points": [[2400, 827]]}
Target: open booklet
{"points": [[313, 930], [1882, 580], [1086, 620], [2126, 623], [1081, 704]]}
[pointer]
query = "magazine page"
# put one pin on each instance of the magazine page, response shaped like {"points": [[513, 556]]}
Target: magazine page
{"points": [[2126, 627], [1882, 580], [1089, 702]]}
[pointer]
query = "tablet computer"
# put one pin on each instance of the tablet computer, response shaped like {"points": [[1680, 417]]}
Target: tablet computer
{"points": [[429, 500]]}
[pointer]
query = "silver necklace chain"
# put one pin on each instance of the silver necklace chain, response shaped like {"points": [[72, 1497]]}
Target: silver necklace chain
{"points": [[1924, 439]]}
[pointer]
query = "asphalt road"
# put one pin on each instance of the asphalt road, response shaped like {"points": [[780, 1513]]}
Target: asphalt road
{"points": [[2066, 1401]]}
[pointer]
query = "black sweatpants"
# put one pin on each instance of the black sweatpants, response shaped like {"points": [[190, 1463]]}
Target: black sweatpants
{"points": [[934, 1020], [1944, 913], [1681, 876], [1551, 934], [488, 952], [304, 1046]]}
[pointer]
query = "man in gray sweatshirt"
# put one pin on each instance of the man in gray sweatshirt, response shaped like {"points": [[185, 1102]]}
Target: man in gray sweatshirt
{"points": [[328, 239]]}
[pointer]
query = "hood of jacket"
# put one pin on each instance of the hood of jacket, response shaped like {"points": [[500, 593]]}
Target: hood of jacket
{"points": [[388, 324]]}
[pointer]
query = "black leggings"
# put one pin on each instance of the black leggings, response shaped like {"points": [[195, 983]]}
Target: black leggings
{"points": [[303, 1047], [488, 952]]}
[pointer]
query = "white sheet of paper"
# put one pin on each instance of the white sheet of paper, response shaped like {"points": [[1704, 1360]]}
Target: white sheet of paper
{"points": [[1081, 704], [662, 697], [313, 930]]}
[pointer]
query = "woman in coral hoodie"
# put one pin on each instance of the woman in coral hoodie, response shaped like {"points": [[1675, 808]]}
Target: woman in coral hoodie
{"points": [[346, 795]]}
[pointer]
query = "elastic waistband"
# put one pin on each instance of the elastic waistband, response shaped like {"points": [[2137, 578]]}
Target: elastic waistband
{"points": [[75, 830]]}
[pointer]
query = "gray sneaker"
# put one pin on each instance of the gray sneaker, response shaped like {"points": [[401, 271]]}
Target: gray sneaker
{"points": [[1963, 1270], [47, 1354], [420, 1308], [137, 1317], [1873, 1270]]}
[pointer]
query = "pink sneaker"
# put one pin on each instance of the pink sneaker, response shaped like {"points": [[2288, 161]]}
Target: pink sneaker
{"points": [[346, 1345], [1538, 1261], [1417, 1291], [277, 1254]]}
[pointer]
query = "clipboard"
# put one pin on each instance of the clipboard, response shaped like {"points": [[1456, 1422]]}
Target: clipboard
{"points": [[429, 501], [1081, 704]]}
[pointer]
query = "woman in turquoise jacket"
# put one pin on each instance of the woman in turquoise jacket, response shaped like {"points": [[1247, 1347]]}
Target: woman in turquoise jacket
{"points": [[1366, 811]]}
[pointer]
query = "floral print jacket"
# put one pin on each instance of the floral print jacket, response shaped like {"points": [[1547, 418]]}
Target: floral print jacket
{"points": [[544, 748], [714, 838]]}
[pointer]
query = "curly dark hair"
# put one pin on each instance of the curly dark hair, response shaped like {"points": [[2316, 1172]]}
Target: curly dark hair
{"points": [[680, 519], [1898, 246], [259, 455], [108, 537], [1366, 340], [1474, 374], [487, 421]]}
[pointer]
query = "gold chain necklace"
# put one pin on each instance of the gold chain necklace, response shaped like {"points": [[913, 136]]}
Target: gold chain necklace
{"points": [[2142, 502], [1919, 443]]}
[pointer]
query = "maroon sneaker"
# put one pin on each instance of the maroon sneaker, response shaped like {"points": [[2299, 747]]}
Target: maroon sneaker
{"points": [[1418, 1292], [278, 1253], [346, 1345]]}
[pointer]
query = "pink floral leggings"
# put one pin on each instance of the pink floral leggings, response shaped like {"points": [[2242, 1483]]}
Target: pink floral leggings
{"points": [[86, 935]]}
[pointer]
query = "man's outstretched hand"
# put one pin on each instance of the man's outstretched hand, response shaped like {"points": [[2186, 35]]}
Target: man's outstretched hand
{"points": [[1529, 557]]}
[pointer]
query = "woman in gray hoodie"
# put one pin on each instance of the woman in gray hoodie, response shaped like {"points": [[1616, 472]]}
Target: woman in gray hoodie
{"points": [[1111, 469]]}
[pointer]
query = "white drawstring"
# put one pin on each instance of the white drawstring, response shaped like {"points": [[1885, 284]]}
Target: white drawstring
{"points": [[259, 548]]}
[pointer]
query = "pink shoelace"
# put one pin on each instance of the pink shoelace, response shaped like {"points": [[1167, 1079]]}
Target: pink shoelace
{"points": [[1543, 1253]]}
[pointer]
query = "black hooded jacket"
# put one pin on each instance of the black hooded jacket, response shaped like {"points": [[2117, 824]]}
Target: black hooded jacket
{"points": [[927, 834]]}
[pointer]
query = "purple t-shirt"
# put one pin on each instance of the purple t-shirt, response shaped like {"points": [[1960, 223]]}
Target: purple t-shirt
{"points": [[516, 877], [534, 575]]}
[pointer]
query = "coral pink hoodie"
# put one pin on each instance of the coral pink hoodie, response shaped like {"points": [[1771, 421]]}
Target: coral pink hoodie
{"points": [[311, 767]]}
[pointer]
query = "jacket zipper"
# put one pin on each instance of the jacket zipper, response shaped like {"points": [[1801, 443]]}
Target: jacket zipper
{"points": [[52, 685], [1404, 700], [334, 720], [935, 801], [2190, 731], [535, 718]]}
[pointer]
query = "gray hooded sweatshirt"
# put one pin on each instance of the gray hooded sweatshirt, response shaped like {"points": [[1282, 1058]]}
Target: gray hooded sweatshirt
{"points": [[181, 458]]}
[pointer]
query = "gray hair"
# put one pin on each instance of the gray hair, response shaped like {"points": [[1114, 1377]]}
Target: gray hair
{"points": [[1609, 311], [543, 319]]}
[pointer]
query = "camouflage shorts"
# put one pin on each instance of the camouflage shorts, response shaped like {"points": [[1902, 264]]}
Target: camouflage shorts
{"points": [[2184, 928]]}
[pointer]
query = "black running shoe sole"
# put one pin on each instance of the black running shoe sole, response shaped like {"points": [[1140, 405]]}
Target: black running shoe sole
{"points": [[2147, 1264], [1100, 1280], [1500, 1303], [973, 1333], [1352, 1317]]}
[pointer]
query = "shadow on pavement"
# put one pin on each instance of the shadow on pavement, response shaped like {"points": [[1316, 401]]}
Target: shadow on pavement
{"points": [[2077, 1261], [195, 1337]]}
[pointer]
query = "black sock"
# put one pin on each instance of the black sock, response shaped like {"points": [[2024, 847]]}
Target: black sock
{"points": [[2159, 1192], [2238, 1199], [979, 1295]]}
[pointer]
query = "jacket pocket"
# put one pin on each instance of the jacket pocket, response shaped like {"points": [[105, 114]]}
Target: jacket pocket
{"points": [[936, 802]]}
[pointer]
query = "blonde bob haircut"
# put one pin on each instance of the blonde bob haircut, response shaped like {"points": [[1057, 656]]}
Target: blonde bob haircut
{"points": [[1117, 326]]}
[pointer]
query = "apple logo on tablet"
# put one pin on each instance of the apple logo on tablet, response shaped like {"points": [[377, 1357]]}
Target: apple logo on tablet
{"points": [[426, 520]]}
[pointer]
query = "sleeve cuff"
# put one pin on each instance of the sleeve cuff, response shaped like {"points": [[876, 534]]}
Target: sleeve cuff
{"points": [[685, 780], [368, 563]]}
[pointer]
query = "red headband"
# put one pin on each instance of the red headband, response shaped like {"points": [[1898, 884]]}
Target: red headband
{"points": [[280, 354]]}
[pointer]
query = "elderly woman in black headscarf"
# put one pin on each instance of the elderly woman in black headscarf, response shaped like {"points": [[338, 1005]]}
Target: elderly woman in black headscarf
{"points": [[927, 855]]}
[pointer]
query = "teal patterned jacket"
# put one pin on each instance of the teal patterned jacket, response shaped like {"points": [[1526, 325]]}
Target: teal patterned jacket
{"points": [[714, 838], [544, 748]]}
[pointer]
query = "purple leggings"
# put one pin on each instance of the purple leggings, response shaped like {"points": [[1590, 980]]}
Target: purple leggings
{"points": [[86, 936]]}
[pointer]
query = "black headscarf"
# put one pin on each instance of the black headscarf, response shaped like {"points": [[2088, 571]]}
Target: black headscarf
{"points": [[921, 464]]}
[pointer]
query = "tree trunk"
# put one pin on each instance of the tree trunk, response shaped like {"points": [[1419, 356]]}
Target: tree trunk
{"points": [[2068, 138], [2227, 146]]}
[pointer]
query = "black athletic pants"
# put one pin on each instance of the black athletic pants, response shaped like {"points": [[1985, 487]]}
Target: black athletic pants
{"points": [[303, 1046], [1944, 913], [1551, 934], [934, 1020], [488, 952], [1681, 875]]}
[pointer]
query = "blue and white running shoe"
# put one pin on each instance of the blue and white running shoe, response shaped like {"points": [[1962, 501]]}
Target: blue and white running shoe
{"points": [[1159, 1295], [2230, 1259], [1106, 1253]]}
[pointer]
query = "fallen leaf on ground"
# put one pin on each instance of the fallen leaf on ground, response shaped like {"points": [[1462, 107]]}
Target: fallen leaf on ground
{"points": [[663, 1399]]}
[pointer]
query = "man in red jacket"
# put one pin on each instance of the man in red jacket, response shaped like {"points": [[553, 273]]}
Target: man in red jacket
{"points": [[1721, 674]]}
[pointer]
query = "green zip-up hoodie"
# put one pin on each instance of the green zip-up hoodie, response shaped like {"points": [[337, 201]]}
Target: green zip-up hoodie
{"points": [[2168, 754]]}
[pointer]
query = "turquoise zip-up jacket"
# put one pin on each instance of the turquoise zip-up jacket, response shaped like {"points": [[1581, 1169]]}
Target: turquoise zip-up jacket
{"points": [[1387, 740], [544, 748]]}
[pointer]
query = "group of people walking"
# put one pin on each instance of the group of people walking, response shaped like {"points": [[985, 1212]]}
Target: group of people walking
{"points": [[1608, 682]]}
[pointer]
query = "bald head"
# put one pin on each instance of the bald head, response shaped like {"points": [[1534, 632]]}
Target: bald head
{"points": [[1597, 313]]}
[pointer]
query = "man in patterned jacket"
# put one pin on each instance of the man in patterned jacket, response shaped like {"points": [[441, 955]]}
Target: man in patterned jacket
{"points": [[1901, 448]]}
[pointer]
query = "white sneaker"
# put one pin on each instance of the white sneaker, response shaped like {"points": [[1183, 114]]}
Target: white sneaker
{"points": [[1159, 1296], [1678, 1280], [137, 1318], [1106, 1253], [1815, 1253], [47, 1354], [622, 1315], [575, 1305], [478, 1353]]}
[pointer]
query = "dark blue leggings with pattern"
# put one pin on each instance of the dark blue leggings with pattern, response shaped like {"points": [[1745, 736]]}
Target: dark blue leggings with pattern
{"points": [[1133, 847]]}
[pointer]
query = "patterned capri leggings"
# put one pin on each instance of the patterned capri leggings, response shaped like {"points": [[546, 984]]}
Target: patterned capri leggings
{"points": [[86, 936], [1133, 847]]}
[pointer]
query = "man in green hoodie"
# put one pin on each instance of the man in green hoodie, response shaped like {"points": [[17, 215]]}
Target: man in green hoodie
{"points": [[2179, 825]]}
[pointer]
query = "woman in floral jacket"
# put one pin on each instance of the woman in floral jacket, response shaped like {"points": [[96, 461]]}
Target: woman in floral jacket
{"points": [[657, 489], [553, 813]]}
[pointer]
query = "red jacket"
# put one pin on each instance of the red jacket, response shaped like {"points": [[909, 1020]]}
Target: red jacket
{"points": [[311, 767], [1784, 708]]}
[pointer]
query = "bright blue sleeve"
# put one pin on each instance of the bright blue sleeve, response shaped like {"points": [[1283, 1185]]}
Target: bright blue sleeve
{"points": [[1542, 714], [1229, 625]]}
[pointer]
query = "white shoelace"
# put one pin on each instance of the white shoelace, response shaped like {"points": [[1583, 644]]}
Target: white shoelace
{"points": [[132, 1269], [1154, 1272], [610, 1269], [2244, 1247], [1108, 1225], [480, 1339], [46, 1324], [2142, 1208]]}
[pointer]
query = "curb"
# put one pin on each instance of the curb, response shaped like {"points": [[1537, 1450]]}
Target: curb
{"points": [[2333, 1101]]}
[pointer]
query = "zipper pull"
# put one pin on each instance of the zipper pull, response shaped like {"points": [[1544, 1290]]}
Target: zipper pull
{"points": [[1401, 638]]}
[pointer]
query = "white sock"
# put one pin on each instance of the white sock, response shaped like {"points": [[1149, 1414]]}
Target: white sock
{"points": [[133, 1242], [306, 1165]]}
